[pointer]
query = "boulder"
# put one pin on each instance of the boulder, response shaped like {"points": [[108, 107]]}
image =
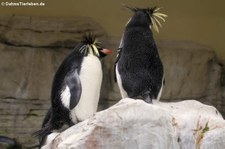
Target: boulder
{"points": [[133, 124]]}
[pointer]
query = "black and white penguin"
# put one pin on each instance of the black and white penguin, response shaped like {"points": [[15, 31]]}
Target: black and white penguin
{"points": [[76, 87], [138, 68]]}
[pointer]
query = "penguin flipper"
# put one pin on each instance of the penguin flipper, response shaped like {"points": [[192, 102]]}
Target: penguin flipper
{"points": [[42, 132], [117, 59], [118, 55], [46, 126], [74, 85]]}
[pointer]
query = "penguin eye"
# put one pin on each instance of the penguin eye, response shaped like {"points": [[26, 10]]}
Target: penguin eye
{"points": [[99, 48]]}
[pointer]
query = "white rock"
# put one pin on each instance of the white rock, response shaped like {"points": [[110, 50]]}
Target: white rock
{"points": [[134, 124], [214, 139], [192, 121], [49, 139]]}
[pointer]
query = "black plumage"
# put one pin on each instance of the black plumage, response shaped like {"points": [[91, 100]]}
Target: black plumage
{"points": [[138, 62]]}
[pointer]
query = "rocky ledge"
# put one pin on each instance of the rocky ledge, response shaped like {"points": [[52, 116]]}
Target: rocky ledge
{"points": [[134, 124]]}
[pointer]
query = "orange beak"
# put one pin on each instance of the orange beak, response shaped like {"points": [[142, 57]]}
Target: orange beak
{"points": [[106, 51]]}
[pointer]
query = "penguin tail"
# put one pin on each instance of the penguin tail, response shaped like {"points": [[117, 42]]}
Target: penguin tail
{"points": [[46, 125], [42, 132], [148, 98], [42, 135]]}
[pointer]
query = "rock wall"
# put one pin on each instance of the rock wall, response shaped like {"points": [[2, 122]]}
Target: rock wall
{"points": [[32, 48]]}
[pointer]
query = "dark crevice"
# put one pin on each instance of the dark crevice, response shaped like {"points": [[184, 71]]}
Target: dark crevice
{"points": [[29, 99]]}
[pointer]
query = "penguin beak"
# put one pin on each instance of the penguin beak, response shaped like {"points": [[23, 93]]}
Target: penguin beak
{"points": [[106, 51]]}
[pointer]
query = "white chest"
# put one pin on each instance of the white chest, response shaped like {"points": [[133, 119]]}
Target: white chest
{"points": [[91, 79]]}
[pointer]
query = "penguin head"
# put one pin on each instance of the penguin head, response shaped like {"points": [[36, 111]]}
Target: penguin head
{"points": [[146, 17], [90, 45]]}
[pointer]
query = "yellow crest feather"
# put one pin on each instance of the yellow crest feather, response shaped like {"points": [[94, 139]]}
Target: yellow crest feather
{"points": [[154, 16]]}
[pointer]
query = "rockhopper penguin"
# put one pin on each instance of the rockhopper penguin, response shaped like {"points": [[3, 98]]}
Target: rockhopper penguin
{"points": [[138, 68], [76, 86]]}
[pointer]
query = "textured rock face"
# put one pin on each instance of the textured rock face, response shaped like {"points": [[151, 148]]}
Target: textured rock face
{"points": [[186, 66], [28, 72], [133, 124], [46, 31], [195, 124]]}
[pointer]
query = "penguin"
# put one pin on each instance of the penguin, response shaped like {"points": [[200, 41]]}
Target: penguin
{"points": [[75, 87], [138, 67]]}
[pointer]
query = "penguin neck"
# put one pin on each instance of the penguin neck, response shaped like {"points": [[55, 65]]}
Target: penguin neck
{"points": [[145, 38], [134, 23], [92, 55], [139, 20]]}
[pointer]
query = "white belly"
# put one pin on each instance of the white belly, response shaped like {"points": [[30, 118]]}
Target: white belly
{"points": [[91, 79]]}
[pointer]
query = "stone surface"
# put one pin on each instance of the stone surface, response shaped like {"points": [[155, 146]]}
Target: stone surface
{"points": [[195, 122], [189, 70], [26, 72], [134, 124], [46, 31], [21, 117]]}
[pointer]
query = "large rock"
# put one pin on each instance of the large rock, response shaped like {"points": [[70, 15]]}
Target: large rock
{"points": [[134, 124]]}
